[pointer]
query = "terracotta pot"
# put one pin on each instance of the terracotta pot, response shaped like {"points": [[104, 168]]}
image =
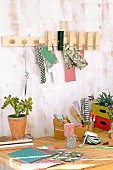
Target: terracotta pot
{"points": [[17, 126]]}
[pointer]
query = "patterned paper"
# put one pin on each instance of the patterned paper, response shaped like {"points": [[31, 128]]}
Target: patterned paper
{"points": [[69, 129], [41, 164], [85, 109], [71, 141], [30, 154]]}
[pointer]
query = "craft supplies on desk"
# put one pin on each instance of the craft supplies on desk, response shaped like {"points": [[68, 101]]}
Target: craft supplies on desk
{"points": [[30, 154], [101, 114], [76, 104], [69, 134], [100, 156], [75, 114], [71, 141], [59, 130], [69, 129], [85, 109]]}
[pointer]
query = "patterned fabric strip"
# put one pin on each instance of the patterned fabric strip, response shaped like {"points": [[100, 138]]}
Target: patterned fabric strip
{"points": [[40, 62], [45, 61]]}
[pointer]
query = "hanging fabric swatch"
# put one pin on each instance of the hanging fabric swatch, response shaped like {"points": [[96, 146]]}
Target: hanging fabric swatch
{"points": [[40, 62], [69, 74], [44, 58], [73, 58], [48, 55]]}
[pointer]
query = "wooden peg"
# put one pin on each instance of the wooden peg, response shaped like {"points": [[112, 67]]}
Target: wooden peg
{"points": [[88, 41], [80, 40], [36, 42], [96, 40], [71, 39], [49, 40], [12, 41], [24, 42]]}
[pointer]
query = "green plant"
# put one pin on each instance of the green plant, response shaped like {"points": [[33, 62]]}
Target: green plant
{"points": [[21, 107], [104, 99]]}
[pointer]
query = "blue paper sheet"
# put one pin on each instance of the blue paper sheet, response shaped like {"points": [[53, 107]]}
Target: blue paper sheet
{"points": [[29, 154]]}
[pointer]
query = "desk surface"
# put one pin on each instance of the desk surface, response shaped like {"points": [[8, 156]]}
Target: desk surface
{"points": [[100, 159]]}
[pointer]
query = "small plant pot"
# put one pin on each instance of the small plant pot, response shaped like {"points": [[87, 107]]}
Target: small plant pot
{"points": [[17, 126]]}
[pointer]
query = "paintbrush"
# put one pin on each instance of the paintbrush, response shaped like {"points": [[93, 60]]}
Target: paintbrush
{"points": [[75, 114]]}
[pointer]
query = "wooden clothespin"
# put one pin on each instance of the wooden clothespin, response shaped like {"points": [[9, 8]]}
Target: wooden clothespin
{"points": [[60, 40], [80, 40], [96, 40], [49, 40], [88, 41], [72, 39]]}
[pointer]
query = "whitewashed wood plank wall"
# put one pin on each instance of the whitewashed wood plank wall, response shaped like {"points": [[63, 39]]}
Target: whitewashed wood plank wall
{"points": [[34, 18]]}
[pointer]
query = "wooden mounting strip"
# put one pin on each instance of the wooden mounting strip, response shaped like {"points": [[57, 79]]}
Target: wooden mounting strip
{"points": [[25, 41], [88, 40]]}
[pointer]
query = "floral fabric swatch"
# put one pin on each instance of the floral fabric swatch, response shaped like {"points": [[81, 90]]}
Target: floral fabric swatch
{"points": [[73, 58]]}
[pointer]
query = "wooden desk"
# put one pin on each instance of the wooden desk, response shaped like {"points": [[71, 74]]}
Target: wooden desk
{"points": [[100, 159]]}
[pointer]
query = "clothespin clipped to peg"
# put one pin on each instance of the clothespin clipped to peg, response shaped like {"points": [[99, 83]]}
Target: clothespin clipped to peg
{"points": [[96, 40], [49, 40], [60, 40], [88, 41], [80, 40], [72, 39]]}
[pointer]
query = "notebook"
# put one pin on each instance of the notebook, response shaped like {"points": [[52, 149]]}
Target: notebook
{"points": [[30, 154]]}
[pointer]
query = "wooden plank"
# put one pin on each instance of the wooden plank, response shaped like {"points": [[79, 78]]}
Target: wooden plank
{"points": [[17, 41], [99, 159], [11, 41], [72, 39], [96, 40], [80, 40], [49, 40], [88, 40]]}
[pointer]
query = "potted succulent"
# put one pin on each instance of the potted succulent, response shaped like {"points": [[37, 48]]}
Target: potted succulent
{"points": [[104, 99], [17, 120], [103, 102]]}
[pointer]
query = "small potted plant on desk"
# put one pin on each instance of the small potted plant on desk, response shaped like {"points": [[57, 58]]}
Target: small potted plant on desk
{"points": [[17, 120]]}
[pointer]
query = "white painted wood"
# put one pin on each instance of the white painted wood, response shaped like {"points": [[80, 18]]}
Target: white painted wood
{"points": [[31, 18]]}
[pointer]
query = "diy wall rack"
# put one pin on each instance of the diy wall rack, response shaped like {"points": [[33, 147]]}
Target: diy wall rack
{"points": [[91, 40]]}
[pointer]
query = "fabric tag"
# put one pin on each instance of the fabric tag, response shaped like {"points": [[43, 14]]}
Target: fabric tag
{"points": [[70, 74], [48, 55]]}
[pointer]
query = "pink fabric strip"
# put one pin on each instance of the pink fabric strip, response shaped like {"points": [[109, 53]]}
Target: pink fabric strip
{"points": [[70, 74]]}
